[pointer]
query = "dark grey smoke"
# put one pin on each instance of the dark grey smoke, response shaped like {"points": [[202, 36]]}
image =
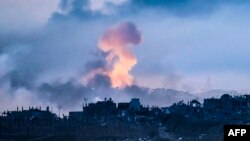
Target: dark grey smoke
{"points": [[159, 96], [96, 62], [137, 91], [68, 94], [100, 80], [73, 9], [40, 56], [62, 49], [19, 79], [184, 7]]}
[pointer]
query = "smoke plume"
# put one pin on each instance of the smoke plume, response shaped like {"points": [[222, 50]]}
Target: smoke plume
{"points": [[116, 44]]}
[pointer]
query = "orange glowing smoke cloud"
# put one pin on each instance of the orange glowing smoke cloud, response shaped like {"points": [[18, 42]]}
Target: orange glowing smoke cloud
{"points": [[117, 42]]}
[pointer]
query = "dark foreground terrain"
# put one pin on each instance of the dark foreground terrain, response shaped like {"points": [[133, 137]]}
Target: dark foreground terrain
{"points": [[109, 121]]}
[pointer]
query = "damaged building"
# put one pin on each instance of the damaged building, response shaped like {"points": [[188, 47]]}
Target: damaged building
{"points": [[105, 119]]}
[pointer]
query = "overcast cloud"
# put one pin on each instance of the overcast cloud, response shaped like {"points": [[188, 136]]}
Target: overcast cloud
{"points": [[47, 46]]}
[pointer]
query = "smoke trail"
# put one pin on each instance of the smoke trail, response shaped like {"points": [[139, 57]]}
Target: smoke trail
{"points": [[116, 43]]}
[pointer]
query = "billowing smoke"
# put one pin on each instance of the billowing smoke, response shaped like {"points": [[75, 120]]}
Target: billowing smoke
{"points": [[41, 63], [116, 43]]}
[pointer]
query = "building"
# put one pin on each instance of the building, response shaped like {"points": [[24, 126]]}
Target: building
{"points": [[31, 114], [228, 104], [123, 109], [135, 104], [76, 115], [101, 108]]}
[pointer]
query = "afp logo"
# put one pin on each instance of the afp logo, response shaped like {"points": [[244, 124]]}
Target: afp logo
{"points": [[237, 132]]}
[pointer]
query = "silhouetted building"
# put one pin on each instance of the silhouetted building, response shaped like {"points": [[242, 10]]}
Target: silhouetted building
{"points": [[195, 103], [126, 119], [123, 109], [135, 104], [228, 104], [31, 114], [101, 108], [76, 115]]}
